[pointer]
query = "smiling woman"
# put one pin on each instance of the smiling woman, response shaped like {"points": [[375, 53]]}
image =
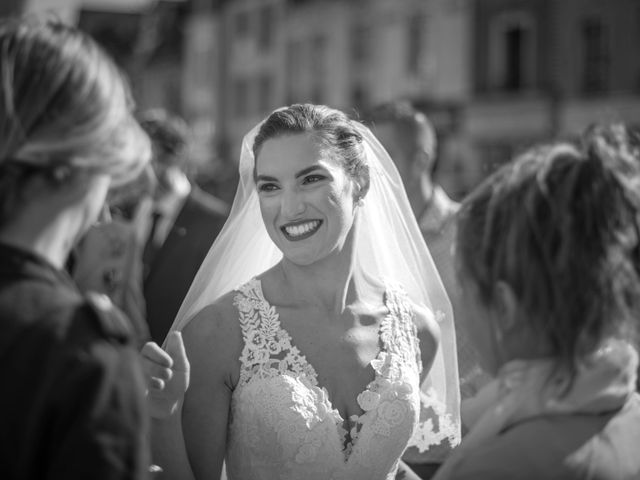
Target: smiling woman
{"points": [[314, 319], [306, 198]]}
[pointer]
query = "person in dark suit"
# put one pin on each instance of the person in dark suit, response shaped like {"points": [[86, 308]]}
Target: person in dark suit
{"points": [[73, 398], [184, 223]]}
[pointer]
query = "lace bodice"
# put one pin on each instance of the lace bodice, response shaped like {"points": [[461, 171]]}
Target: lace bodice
{"points": [[283, 425]]}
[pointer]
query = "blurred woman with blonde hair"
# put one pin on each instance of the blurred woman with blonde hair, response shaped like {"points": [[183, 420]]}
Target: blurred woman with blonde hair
{"points": [[73, 403]]}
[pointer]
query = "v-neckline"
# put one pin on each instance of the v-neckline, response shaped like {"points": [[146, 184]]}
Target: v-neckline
{"points": [[347, 441]]}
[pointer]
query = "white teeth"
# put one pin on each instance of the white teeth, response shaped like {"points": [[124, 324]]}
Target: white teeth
{"points": [[297, 230]]}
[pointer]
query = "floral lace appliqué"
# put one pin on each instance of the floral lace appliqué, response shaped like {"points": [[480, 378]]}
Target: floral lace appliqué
{"points": [[283, 424]]}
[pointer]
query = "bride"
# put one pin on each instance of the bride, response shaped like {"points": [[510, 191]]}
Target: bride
{"points": [[314, 319]]}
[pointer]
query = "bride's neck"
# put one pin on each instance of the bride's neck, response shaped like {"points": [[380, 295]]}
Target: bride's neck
{"points": [[332, 283]]}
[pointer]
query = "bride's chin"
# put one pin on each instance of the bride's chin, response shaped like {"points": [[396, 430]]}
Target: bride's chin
{"points": [[300, 261]]}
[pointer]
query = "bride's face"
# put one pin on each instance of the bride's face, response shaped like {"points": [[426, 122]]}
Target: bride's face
{"points": [[306, 198]]}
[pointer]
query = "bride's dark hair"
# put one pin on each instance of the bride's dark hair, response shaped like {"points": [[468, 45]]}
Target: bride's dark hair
{"points": [[560, 225], [332, 128]]}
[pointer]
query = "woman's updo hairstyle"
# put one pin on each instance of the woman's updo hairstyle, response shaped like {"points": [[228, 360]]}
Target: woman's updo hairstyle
{"points": [[560, 225], [330, 127], [64, 107]]}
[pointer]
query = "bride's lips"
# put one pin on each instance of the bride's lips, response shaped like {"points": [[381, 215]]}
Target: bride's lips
{"points": [[300, 230]]}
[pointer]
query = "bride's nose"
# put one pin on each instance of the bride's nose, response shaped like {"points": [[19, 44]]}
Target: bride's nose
{"points": [[292, 203]]}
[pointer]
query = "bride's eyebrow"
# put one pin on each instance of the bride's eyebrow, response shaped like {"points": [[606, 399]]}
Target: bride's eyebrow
{"points": [[266, 178], [308, 170], [301, 173]]}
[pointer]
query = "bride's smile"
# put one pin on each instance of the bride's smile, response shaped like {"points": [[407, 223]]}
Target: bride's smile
{"points": [[301, 230]]}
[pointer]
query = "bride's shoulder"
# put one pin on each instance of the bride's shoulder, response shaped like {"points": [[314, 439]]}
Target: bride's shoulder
{"points": [[215, 325], [216, 313]]}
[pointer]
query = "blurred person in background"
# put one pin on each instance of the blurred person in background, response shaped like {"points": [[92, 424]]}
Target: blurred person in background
{"points": [[182, 226], [548, 250], [410, 140], [109, 258], [73, 403]]}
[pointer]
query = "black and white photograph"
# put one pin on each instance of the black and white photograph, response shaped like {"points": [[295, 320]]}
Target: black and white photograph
{"points": [[319, 239]]}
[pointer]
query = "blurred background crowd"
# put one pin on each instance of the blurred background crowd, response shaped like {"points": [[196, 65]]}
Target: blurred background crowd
{"points": [[494, 76]]}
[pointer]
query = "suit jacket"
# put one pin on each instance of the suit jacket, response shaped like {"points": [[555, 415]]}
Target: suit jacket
{"points": [[173, 267]]}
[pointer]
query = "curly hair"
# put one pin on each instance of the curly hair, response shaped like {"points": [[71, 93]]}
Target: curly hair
{"points": [[560, 225]]}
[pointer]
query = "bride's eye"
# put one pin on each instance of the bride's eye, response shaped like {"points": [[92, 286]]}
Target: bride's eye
{"points": [[313, 179], [267, 187]]}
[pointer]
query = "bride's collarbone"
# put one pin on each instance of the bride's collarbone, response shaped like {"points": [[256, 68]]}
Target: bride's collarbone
{"points": [[353, 315], [339, 346], [347, 331], [340, 353]]}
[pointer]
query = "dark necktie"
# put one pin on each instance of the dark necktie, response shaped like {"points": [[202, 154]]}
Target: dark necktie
{"points": [[152, 246]]}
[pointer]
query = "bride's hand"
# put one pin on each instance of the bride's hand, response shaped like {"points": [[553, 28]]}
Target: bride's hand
{"points": [[167, 375]]}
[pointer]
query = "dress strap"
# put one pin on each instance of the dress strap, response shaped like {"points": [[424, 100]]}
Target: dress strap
{"points": [[256, 322], [267, 347]]}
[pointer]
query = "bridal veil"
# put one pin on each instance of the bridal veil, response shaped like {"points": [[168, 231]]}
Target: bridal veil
{"points": [[389, 245]]}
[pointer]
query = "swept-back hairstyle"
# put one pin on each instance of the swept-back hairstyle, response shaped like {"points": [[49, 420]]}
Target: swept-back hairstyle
{"points": [[560, 225], [330, 127], [63, 102]]}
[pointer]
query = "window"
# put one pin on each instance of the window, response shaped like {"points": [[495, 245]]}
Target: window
{"points": [[294, 69], [513, 76], [359, 96], [595, 74], [242, 26], [512, 52], [266, 27], [318, 47], [360, 48], [416, 36], [11, 7], [637, 40], [241, 97], [318, 52], [265, 93]]}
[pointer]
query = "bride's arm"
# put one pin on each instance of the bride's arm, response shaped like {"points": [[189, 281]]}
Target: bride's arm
{"points": [[429, 336], [213, 343]]}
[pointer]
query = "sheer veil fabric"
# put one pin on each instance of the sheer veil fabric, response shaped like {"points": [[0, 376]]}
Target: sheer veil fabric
{"points": [[389, 246]]}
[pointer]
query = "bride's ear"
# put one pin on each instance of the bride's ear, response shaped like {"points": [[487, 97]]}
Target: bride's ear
{"points": [[360, 189], [358, 197]]}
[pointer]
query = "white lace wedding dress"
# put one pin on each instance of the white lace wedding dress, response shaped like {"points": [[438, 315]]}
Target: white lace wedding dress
{"points": [[283, 426]]}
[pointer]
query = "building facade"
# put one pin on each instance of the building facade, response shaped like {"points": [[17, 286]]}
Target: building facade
{"points": [[349, 54], [544, 69], [493, 75]]}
